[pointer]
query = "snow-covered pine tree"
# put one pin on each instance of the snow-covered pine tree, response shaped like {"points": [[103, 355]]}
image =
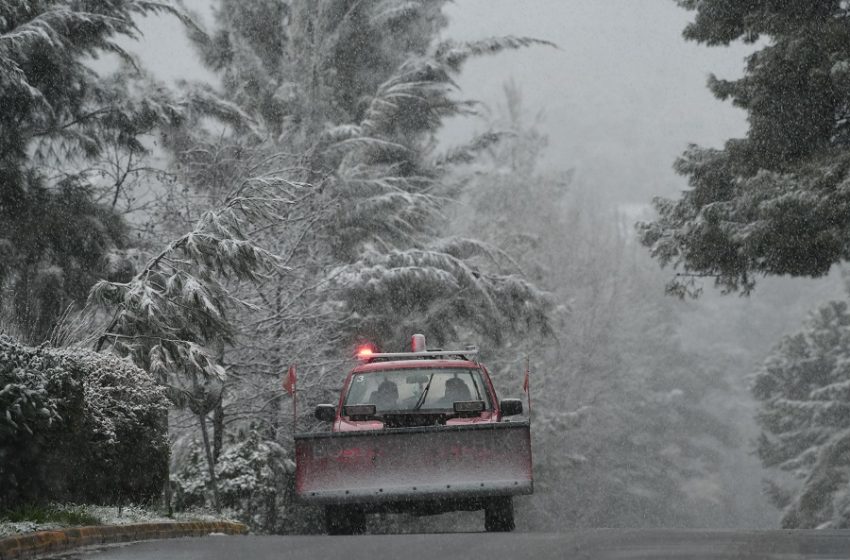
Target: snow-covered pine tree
{"points": [[172, 318], [804, 389], [774, 202], [367, 124], [58, 117]]}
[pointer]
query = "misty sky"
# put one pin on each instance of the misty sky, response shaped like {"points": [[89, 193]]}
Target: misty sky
{"points": [[623, 96]]}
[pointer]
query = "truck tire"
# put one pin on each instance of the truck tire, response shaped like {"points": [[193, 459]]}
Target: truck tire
{"points": [[342, 520], [499, 515]]}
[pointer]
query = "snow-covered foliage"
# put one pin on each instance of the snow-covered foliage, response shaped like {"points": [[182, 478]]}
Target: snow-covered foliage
{"points": [[173, 318], [389, 294], [775, 201], [804, 389], [56, 96], [119, 397], [254, 477], [367, 123], [125, 408], [96, 412], [59, 119], [172, 315], [25, 397]]}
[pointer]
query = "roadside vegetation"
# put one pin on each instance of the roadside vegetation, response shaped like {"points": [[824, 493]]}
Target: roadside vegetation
{"points": [[79, 426], [52, 516]]}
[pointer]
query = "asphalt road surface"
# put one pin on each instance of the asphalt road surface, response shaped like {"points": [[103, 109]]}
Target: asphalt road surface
{"points": [[598, 544]]}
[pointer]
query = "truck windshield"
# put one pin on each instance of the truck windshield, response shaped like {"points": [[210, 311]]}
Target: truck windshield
{"points": [[402, 390]]}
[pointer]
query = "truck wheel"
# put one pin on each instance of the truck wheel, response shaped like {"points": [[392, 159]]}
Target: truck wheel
{"points": [[499, 515], [340, 520]]}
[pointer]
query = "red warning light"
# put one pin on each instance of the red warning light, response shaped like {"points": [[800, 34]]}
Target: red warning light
{"points": [[365, 352]]}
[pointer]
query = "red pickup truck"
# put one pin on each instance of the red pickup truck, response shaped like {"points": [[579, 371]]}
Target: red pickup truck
{"points": [[419, 432]]}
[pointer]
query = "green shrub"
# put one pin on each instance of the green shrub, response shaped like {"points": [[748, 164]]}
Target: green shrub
{"points": [[78, 426], [65, 515], [37, 399]]}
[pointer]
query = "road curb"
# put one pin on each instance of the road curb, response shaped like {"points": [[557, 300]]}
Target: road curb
{"points": [[31, 545]]}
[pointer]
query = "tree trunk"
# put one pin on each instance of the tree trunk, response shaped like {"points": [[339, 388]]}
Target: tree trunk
{"points": [[218, 427], [210, 461], [270, 524], [167, 490]]}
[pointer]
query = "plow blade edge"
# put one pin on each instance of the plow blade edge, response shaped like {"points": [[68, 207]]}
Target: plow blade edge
{"points": [[414, 463]]}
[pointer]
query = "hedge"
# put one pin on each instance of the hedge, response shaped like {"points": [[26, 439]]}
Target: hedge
{"points": [[78, 426]]}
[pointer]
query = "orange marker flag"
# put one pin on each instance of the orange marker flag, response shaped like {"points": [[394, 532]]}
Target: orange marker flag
{"points": [[289, 381]]}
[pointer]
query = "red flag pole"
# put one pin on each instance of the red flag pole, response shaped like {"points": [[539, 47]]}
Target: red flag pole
{"points": [[294, 401], [290, 385], [526, 385]]}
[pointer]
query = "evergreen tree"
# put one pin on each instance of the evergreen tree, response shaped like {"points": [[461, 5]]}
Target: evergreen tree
{"points": [[803, 389], [173, 317], [55, 237], [366, 124], [775, 201]]}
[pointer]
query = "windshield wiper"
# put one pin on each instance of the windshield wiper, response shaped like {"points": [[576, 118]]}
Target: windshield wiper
{"points": [[424, 394]]}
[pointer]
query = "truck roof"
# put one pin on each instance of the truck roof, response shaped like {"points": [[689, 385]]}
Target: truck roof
{"points": [[416, 363]]}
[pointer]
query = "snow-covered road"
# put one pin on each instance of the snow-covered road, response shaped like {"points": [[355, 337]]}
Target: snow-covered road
{"points": [[595, 544]]}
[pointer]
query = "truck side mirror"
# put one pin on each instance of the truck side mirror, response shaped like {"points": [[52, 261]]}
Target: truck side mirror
{"points": [[511, 407], [326, 412]]}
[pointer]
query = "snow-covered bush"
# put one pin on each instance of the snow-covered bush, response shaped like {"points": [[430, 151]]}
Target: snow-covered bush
{"points": [[76, 425], [25, 400], [254, 477], [127, 440], [39, 402]]}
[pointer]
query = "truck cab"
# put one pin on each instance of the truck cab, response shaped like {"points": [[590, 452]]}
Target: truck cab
{"points": [[423, 392]]}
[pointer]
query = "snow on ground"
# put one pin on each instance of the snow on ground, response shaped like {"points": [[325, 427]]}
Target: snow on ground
{"points": [[106, 515]]}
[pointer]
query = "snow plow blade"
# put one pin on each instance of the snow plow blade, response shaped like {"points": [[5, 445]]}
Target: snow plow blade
{"points": [[404, 464]]}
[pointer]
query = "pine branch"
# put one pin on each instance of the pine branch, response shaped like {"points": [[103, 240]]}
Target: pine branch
{"points": [[454, 54]]}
